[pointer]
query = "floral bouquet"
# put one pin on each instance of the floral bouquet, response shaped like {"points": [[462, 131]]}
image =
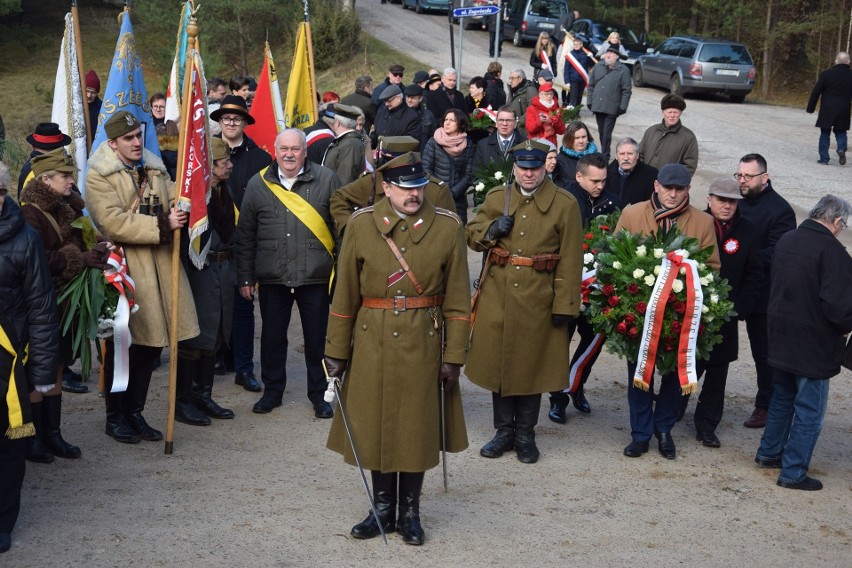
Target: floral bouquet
{"points": [[658, 303], [494, 173], [483, 119], [571, 114]]}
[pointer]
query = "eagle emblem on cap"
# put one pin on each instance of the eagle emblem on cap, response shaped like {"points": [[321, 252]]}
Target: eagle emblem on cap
{"points": [[131, 120], [529, 144]]}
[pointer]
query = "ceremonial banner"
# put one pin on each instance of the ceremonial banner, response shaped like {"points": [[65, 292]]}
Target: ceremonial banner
{"points": [[174, 92], [125, 89], [194, 177], [266, 107], [299, 109], [68, 111]]}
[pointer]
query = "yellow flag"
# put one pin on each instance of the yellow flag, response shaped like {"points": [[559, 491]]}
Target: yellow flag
{"points": [[299, 108]]}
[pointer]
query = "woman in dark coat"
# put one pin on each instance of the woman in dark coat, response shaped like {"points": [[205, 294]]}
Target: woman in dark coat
{"points": [[50, 206], [576, 143], [448, 156]]}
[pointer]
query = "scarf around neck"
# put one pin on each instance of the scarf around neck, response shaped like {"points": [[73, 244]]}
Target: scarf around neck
{"points": [[453, 144], [590, 149], [667, 218]]}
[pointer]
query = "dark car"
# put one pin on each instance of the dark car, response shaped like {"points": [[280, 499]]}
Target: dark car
{"points": [[421, 6], [688, 64], [526, 19], [594, 34]]}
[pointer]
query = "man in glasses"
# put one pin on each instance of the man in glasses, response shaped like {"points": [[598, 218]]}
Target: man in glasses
{"points": [[394, 117], [247, 159], [395, 73], [521, 93], [773, 217], [495, 147]]}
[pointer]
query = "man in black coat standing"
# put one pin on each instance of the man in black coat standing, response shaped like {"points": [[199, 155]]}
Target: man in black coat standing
{"points": [[773, 217], [810, 312], [495, 147], [628, 178], [394, 117], [835, 88], [738, 242]]}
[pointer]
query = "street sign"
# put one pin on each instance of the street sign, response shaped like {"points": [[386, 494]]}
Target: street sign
{"points": [[470, 12]]}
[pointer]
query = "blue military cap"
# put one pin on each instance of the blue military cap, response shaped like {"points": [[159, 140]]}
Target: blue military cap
{"points": [[530, 154], [405, 171]]}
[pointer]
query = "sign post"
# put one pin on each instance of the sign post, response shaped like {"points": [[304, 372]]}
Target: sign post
{"points": [[469, 12]]}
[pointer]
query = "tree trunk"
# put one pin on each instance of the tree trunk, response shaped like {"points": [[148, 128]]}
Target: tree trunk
{"points": [[647, 15], [767, 53]]}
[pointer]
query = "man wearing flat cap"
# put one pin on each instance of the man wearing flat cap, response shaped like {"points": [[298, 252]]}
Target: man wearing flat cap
{"points": [[45, 138], [395, 73], [738, 242], [529, 293], [650, 414], [428, 122], [608, 94], [367, 190], [394, 117], [130, 196], [397, 337], [670, 142], [345, 155]]}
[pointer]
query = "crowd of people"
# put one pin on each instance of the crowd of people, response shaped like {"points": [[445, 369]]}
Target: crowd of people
{"points": [[361, 220]]}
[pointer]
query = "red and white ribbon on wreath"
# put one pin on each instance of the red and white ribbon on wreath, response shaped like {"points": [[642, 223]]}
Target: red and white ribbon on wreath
{"points": [[487, 112], [117, 275], [588, 278], [652, 329]]}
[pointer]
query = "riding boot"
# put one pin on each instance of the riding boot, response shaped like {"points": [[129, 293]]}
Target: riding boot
{"points": [[117, 424], [51, 433], [202, 389], [185, 409], [36, 450], [384, 498], [141, 369], [408, 521], [558, 403], [526, 417], [504, 422]]}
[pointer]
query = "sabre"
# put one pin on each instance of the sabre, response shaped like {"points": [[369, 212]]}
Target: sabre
{"points": [[331, 392], [443, 437]]}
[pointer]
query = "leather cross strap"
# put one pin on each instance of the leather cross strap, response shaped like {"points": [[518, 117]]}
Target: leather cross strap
{"points": [[402, 303], [403, 263]]}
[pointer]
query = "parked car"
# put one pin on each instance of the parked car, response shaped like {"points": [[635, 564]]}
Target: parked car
{"points": [[687, 64], [421, 6], [594, 34], [526, 19]]}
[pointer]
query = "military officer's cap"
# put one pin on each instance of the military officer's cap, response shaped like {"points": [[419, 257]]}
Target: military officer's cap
{"points": [[398, 145], [346, 111], [405, 171], [120, 124], [219, 149], [55, 160], [530, 154]]}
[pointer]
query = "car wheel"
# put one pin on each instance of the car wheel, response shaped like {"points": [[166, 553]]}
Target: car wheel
{"points": [[737, 98], [675, 86], [517, 40], [638, 79], [417, 8]]}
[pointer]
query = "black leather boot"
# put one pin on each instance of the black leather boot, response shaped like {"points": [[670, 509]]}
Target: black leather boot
{"points": [[185, 409], [558, 403], [384, 498], [117, 424], [526, 417], [408, 521], [51, 433], [142, 360], [580, 402], [504, 422], [37, 452], [202, 389]]}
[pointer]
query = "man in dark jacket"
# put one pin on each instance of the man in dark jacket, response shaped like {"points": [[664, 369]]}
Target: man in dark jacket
{"points": [[395, 118], [247, 159], [835, 88], [284, 243], [669, 141], [428, 122], [345, 155], [773, 217], [446, 96], [521, 94], [810, 312], [738, 241], [495, 147], [361, 99], [28, 316], [627, 178], [394, 77], [608, 94]]}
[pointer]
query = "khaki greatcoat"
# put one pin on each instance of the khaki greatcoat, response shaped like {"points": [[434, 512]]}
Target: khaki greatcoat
{"points": [[391, 390], [515, 350], [110, 192]]}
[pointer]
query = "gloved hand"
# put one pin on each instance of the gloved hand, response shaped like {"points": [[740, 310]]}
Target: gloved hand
{"points": [[559, 320], [97, 257], [335, 367], [500, 228], [450, 375]]}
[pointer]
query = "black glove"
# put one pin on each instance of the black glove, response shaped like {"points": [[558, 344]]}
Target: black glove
{"points": [[559, 320], [450, 375], [335, 367], [97, 257], [500, 228]]}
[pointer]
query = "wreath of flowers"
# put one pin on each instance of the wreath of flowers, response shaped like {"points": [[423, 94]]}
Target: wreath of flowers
{"points": [[626, 272], [494, 173], [594, 240], [482, 119]]}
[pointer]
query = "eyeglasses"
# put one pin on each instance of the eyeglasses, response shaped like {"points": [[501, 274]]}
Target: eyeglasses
{"points": [[747, 177], [159, 107], [506, 120], [397, 74], [513, 77], [3, 190], [843, 224], [235, 120]]}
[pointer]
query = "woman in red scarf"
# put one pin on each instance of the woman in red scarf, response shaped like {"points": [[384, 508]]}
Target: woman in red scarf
{"points": [[544, 115]]}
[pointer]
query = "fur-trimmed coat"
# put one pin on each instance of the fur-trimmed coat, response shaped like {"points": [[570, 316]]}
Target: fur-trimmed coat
{"points": [[65, 248], [111, 190]]}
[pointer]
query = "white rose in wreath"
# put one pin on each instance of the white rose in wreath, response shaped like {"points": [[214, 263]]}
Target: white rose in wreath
{"points": [[498, 175], [677, 286]]}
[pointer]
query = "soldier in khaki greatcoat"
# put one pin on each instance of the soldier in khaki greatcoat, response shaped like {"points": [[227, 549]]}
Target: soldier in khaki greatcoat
{"points": [[385, 330], [529, 294]]}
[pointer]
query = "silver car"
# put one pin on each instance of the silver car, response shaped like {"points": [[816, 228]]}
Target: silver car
{"points": [[687, 64]]}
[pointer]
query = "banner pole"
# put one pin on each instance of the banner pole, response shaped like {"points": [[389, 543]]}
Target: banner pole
{"points": [[79, 44]]}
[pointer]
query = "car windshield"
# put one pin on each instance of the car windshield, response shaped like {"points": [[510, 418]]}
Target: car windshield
{"points": [[602, 30], [547, 8], [724, 53]]}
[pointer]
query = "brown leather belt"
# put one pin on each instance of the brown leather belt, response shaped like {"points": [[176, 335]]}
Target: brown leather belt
{"points": [[402, 303], [219, 256], [540, 262]]}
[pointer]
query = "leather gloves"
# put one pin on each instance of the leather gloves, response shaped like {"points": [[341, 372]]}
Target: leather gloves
{"points": [[559, 320], [450, 375], [335, 367], [500, 228], [97, 257]]}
